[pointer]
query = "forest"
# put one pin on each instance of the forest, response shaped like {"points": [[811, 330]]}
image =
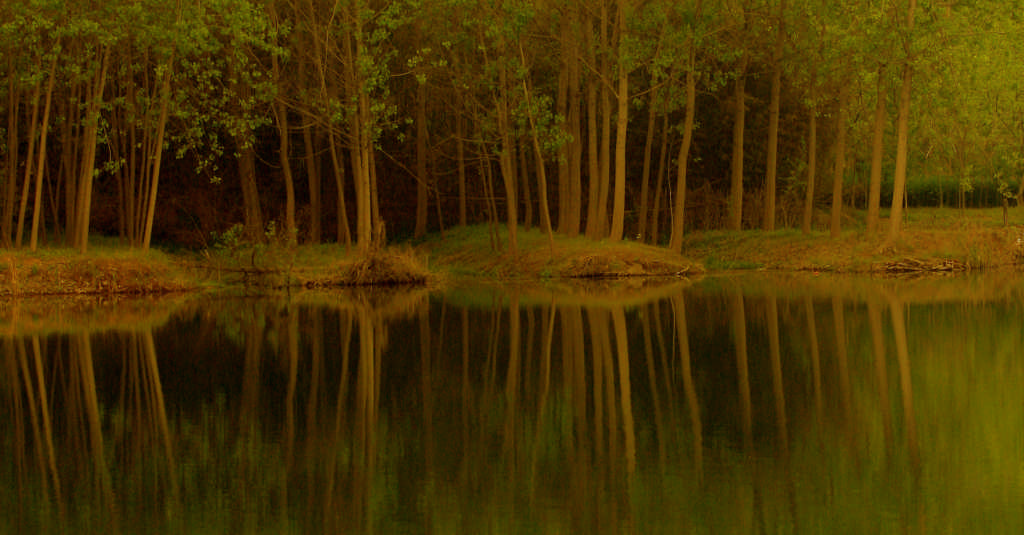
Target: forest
{"points": [[370, 121]]}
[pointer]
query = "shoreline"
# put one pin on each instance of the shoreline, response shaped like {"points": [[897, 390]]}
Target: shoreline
{"points": [[468, 252]]}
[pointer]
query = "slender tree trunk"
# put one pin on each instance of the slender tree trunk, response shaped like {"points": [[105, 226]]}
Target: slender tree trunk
{"points": [[524, 181], [773, 137], [37, 206], [284, 155], [29, 157], [902, 133], [840, 164], [250, 193], [659, 188], [574, 197], [877, 146], [344, 232], [157, 155], [645, 176], [421, 161], [736, 166], [460, 157], [312, 140], [622, 122], [362, 144], [593, 228], [90, 138], [812, 167], [679, 210], [773, 122], [507, 162], [11, 171], [284, 151], [538, 156]]}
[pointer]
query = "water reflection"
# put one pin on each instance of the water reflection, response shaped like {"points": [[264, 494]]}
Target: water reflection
{"points": [[709, 409]]}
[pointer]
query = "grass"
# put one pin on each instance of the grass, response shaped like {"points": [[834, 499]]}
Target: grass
{"points": [[931, 238], [471, 251]]}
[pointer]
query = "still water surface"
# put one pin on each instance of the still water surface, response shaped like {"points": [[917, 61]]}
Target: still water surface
{"points": [[748, 405]]}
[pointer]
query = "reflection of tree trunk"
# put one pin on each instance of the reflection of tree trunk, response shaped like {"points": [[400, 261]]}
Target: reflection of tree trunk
{"points": [[625, 388], [812, 334], [291, 357], [44, 410], [842, 358], [334, 443], [158, 409], [81, 352], [778, 387], [652, 379], [542, 404], [599, 348], [251, 373], [739, 335], [573, 349], [426, 385], [906, 388], [365, 447], [35, 396], [689, 387], [878, 345]]}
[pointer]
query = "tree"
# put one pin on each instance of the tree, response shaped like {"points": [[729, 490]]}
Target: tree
{"points": [[902, 129]]}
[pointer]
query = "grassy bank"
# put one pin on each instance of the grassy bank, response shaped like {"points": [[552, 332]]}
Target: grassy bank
{"points": [[932, 240]]}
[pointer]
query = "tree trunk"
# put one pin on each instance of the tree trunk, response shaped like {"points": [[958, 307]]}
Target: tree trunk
{"points": [[645, 176], [344, 232], [659, 187], [736, 165], [773, 144], [90, 138], [157, 155], [840, 164], [902, 133], [507, 162], [250, 193], [773, 122], [679, 210], [29, 156], [593, 228], [37, 206], [311, 139], [812, 167], [421, 161], [875, 186], [622, 122], [11, 171], [460, 157]]}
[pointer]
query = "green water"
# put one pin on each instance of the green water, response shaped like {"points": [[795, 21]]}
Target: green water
{"points": [[747, 405]]}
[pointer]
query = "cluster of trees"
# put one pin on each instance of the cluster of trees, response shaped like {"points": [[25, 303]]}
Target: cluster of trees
{"points": [[611, 118]]}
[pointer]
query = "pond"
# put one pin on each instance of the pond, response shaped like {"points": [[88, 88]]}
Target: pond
{"points": [[746, 404]]}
